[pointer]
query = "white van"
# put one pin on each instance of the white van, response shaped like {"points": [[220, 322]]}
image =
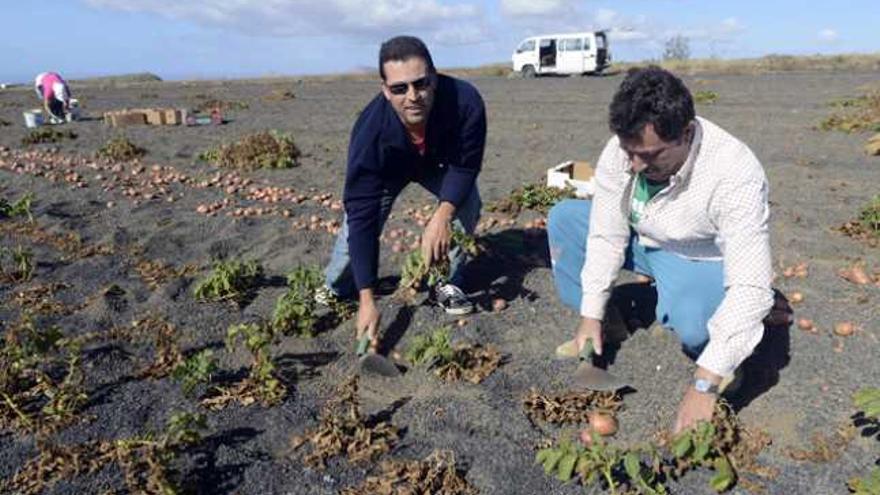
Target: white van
{"points": [[570, 53]]}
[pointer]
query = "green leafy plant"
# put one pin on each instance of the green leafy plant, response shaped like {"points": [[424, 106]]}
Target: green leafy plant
{"points": [[196, 369], [416, 273], [229, 281], [869, 217], [262, 383], [259, 150], [452, 363], [867, 485], [22, 207], [46, 135], [538, 197], [705, 97], [295, 309], [616, 467], [22, 261], [434, 348], [120, 149]]}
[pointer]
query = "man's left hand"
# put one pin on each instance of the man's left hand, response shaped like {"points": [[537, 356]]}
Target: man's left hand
{"points": [[438, 234], [695, 407]]}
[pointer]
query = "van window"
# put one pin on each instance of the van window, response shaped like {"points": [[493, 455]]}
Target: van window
{"points": [[570, 45], [526, 46], [600, 41], [586, 44], [547, 42]]}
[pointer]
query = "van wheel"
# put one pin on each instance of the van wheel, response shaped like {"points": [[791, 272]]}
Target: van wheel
{"points": [[528, 72]]}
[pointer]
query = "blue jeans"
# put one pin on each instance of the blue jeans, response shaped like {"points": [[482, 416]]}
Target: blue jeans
{"points": [[688, 291], [338, 275]]}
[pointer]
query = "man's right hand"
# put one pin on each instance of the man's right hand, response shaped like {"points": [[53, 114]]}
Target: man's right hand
{"points": [[589, 329], [368, 318]]}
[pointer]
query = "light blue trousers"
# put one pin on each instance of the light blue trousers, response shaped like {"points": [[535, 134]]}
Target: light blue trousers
{"points": [[338, 275], [688, 292]]}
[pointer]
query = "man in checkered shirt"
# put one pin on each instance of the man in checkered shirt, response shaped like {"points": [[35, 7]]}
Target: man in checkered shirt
{"points": [[680, 201]]}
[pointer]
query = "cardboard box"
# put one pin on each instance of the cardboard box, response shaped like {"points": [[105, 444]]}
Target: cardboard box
{"points": [[576, 174], [154, 116], [124, 118], [172, 116]]}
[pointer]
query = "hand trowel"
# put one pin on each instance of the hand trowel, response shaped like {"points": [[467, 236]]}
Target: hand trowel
{"points": [[591, 377], [373, 363]]}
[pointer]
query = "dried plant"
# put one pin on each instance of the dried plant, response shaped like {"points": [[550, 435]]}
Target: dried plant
{"points": [[144, 460], [156, 273], [21, 261], [705, 97], [343, 429], [259, 150], [46, 135], [165, 341], [569, 407], [120, 149], [436, 474]]}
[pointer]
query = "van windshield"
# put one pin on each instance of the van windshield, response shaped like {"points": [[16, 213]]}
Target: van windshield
{"points": [[526, 46]]}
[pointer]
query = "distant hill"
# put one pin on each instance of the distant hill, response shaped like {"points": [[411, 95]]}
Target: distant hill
{"points": [[140, 77]]}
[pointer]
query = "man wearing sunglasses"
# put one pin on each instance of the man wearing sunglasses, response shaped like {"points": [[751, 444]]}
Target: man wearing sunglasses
{"points": [[423, 127], [683, 203]]}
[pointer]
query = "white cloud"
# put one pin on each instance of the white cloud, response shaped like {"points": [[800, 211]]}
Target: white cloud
{"points": [[520, 8], [731, 26], [828, 35], [291, 18]]}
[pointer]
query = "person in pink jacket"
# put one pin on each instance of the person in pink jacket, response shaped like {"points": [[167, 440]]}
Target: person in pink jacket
{"points": [[52, 89]]}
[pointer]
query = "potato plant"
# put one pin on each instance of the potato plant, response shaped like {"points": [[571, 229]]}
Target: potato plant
{"points": [[120, 149], [22, 207], [259, 150], [705, 97], [46, 135], [869, 217], [434, 349], [21, 261], [538, 197], [229, 281], [195, 370], [461, 362], [263, 378], [295, 310], [416, 273], [867, 401]]}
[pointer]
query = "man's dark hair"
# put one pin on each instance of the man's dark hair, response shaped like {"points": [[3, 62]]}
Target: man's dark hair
{"points": [[403, 48], [651, 95]]}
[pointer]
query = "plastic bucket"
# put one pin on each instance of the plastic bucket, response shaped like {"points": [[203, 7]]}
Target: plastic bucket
{"points": [[74, 112], [33, 118]]}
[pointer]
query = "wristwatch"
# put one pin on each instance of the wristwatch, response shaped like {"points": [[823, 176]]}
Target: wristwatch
{"points": [[704, 386]]}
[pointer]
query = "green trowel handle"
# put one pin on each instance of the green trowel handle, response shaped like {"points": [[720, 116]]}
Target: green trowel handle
{"points": [[587, 351], [363, 344]]}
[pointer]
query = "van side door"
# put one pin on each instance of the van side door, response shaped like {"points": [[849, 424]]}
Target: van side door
{"points": [[570, 59]]}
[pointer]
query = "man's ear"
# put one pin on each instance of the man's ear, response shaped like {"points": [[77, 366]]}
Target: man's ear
{"points": [[385, 91]]}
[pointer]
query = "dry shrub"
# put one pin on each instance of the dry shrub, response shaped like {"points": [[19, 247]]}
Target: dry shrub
{"points": [[68, 243], [211, 104], [343, 429], [259, 150], [157, 273], [280, 94], [538, 197], [867, 227], [705, 97], [120, 149], [46, 135], [40, 299], [855, 114], [569, 407], [436, 474], [824, 447], [472, 363]]}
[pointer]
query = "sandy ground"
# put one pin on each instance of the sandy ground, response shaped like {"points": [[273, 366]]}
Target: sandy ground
{"points": [[802, 382]]}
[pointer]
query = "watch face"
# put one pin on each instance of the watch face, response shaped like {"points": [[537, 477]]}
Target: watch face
{"points": [[703, 386]]}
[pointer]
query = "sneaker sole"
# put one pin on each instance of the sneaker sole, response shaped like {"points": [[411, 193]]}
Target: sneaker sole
{"points": [[458, 311]]}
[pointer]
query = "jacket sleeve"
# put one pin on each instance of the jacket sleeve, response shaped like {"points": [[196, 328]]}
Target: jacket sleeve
{"points": [[460, 178], [608, 235], [361, 197]]}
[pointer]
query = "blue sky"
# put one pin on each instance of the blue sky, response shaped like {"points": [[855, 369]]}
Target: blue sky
{"points": [[186, 39]]}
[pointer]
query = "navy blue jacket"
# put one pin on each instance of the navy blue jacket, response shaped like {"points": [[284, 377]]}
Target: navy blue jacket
{"points": [[382, 160]]}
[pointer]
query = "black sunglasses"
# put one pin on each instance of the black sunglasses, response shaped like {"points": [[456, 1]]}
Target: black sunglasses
{"points": [[401, 88]]}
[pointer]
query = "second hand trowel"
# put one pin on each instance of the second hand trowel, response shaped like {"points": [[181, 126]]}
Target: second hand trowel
{"points": [[591, 377], [370, 362]]}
